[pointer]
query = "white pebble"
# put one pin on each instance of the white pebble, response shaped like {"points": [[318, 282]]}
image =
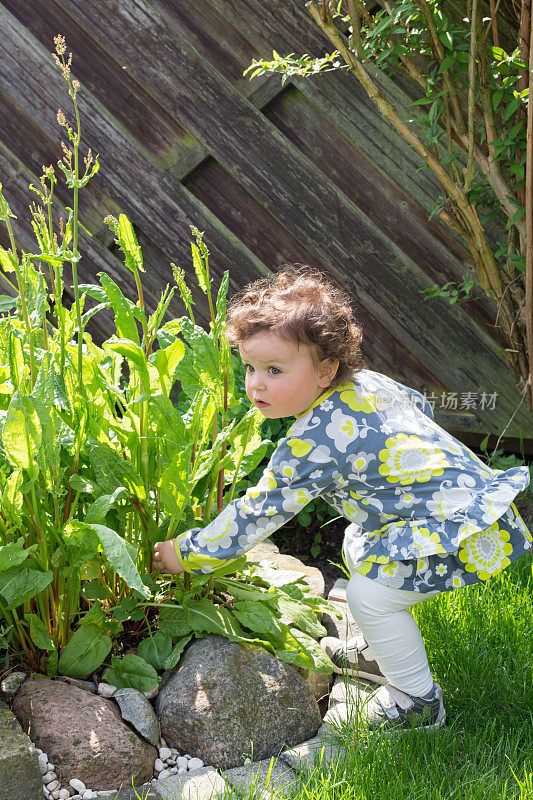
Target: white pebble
{"points": [[181, 771], [47, 794], [88, 794], [106, 689], [48, 777], [163, 743], [55, 794], [38, 751], [44, 768], [51, 767], [158, 765], [247, 761], [164, 753], [174, 751], [173, 770], [64, 794], [165, 773], [77, 785], [195, 763], [187, 756], [43, 758], [53, 786], [181, 763]]}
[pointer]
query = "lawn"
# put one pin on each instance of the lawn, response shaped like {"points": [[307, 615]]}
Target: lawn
{"points": [[479, 645]]}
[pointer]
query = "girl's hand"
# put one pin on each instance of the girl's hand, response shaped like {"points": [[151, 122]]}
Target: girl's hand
{"points": [[165, 558]]}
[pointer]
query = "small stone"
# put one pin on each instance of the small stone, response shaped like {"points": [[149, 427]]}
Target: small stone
{"points": [[44, 767], [106, 689], [181, 763], [187, 756], [247, 761], [173, 770], [88, 795], [163, 743], [164, 753], [53, 786], [158, 765], [48, 777], [64, 794], [181, 771], [10, 685], [77, 785], [55, 794], [165, 773], [174, 751], [47, 794], [196, 763], [151, 693], [38, 751]]}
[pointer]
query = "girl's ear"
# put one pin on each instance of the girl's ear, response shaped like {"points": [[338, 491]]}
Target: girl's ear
{"points": [[326, 371]]}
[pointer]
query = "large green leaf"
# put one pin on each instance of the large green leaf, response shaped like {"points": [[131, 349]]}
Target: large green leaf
{"points": [[22, 433], [312, 650], [20, 584], [80, 541], [131, 672], [177, 650], [129, 244], [125, 322], [162, 367], [112, 471], [39, 633], [86, 651], [13, 554], [97, 511], [174, 485], [258, 617], [121, 555], [136, 358], [301, 616], [174, 621], [155, 649], [206, 616]]}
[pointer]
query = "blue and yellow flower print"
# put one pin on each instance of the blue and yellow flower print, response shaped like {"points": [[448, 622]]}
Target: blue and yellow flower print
{"points": [[425, 513]]}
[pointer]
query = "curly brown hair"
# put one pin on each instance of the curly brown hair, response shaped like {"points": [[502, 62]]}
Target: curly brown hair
{"points": [[301, 304]]}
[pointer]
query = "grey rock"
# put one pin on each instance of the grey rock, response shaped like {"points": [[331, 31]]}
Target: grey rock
{"points": [[146, 792], [20, 774], [199, 784], [266, 780], [223, 696], [139, 712], [106, 689], [317, 753], [12, 683], [83, 735], [88, 686], [151, 693]]}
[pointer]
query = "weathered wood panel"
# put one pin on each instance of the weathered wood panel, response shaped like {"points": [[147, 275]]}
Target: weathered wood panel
{"points": [[271, 174], [249, 220], [260, 159]]}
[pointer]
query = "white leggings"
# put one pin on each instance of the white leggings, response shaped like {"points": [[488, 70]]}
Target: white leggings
{"points": [[391, 631]]}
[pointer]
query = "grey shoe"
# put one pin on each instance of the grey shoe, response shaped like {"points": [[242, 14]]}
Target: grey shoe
{"points": [[389, 709], [354, 657]]}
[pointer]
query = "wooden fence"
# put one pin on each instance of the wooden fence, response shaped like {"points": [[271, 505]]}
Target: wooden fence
{"points": [[306, 173]]}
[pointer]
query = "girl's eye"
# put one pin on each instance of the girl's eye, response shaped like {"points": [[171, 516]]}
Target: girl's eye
{"points": [[274, 371], [248, 368]]}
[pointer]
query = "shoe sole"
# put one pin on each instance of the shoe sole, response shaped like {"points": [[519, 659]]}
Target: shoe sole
{"points": [[399, 731], [367, 676]]}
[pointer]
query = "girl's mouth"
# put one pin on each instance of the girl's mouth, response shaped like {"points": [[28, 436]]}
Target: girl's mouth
{"points": [[261, 403]]}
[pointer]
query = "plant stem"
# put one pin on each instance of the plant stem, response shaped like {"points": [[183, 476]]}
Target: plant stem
{"points": [[529, 220], [76, 143]]}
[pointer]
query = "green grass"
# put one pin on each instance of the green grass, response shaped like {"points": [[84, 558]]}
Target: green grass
{"points": [[479, 642]]}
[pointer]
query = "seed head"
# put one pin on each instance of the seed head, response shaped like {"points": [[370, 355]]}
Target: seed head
{"points": [[60, 44], [61, 119]]}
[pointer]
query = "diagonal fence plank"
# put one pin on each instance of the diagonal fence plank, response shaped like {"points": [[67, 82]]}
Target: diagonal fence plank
{"points": [[258, 156], [136, 183]]}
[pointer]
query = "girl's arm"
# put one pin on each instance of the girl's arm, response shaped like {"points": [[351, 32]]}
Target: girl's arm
{"points": [[298, 471]]}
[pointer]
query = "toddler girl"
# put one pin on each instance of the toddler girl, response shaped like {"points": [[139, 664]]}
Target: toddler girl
{"points": [[426, 515]]}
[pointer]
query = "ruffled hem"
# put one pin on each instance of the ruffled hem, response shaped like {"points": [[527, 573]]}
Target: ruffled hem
{"points": [[428, 536]]}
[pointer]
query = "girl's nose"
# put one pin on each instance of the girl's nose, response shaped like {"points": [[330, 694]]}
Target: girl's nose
{"points": [[256, 381]]}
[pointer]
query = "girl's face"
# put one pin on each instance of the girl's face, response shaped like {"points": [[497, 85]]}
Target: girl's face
{"points": [[282, 380]]}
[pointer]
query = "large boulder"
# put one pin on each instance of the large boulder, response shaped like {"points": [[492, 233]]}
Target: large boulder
{"points": [[225, 699], [83, 735]]}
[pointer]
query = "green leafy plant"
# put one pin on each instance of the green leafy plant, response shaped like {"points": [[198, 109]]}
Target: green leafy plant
{"points": [[97, 463], [471, 125]]}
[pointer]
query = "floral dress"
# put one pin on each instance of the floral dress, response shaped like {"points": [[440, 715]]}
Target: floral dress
{"points": [[425, 513]]}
